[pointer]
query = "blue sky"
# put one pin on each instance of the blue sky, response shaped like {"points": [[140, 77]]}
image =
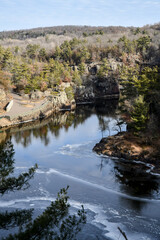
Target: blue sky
{"points": [[23, 14]]}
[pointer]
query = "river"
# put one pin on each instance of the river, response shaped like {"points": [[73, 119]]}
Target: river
{"points": [[115, 193]]}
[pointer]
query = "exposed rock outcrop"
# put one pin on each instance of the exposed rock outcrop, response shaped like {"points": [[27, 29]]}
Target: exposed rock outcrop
{"points": [[66, 96], [95, 88], [128, 146], [51, 103], [36, 94], [61, 101]]}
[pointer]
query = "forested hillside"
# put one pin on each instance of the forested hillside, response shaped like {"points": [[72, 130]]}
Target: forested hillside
{"points": [[47, 57]]}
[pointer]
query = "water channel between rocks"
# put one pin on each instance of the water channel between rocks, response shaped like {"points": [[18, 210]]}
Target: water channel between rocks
{"points": [[114, 192]]}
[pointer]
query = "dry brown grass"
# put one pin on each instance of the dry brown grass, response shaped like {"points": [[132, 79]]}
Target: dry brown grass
{"points": [[110, 38]]}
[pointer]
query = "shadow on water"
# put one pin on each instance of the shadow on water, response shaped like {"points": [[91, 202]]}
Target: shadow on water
{"points": [[135, 179]]}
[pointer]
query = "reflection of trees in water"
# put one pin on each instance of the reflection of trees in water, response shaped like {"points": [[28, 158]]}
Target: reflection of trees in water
{"points": [[53, 223], [105, 112], [104, 124], [42, 133], [135, 179], [106, 107], [23, 137], [137, 205], [64, 120], [119, 124], [102, 163]]}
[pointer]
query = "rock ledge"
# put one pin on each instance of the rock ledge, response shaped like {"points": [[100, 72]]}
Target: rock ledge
{"points": [[127, 146]]}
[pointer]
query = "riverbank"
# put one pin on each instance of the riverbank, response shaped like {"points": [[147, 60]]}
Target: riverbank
{"points": [[38, 105], [127, 146], [41, 104], [27, 110]]}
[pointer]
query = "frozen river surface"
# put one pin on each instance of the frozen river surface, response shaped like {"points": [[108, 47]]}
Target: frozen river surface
{"points": [[114, 192]]}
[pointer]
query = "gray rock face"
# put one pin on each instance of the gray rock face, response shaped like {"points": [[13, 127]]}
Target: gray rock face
{"points": [[62, 102], [106, 86], [84, 93], [60, 99], [47, 93], [26, 96], [93, 70], [95, 88], [36, 95], [114, 64]]}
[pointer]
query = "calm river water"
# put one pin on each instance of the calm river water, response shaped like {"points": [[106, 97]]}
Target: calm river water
{"points": [[114, 193]]}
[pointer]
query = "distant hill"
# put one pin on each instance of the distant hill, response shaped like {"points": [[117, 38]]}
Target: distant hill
{"points": [[61, 30], [67, 30]]}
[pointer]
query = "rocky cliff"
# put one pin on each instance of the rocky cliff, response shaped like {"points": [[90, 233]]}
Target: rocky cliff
{"points": [[65, 96], [96, 88]]}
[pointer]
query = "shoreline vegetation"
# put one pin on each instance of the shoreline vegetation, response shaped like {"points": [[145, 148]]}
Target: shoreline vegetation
{"points": [[64, 66]]}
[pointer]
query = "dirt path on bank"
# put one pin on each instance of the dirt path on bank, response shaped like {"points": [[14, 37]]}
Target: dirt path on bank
{"points": [[21, 106]]}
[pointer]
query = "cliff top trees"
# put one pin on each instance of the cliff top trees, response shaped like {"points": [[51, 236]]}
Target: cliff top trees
{"points": [[5, 79], [143, 43], [139, 114], [32, 50], [104, 68], [140, 88]]}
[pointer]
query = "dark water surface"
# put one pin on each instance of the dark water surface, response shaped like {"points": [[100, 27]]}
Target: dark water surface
{"points": [[114, 193]]}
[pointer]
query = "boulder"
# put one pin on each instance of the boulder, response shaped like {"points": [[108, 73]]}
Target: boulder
{"points": [[47, 93], [114, 64], [65, 84], [36, 94], [60, 99], [26, 96]]}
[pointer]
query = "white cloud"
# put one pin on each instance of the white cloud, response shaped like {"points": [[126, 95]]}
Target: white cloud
{"points": [[152, 3]]}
